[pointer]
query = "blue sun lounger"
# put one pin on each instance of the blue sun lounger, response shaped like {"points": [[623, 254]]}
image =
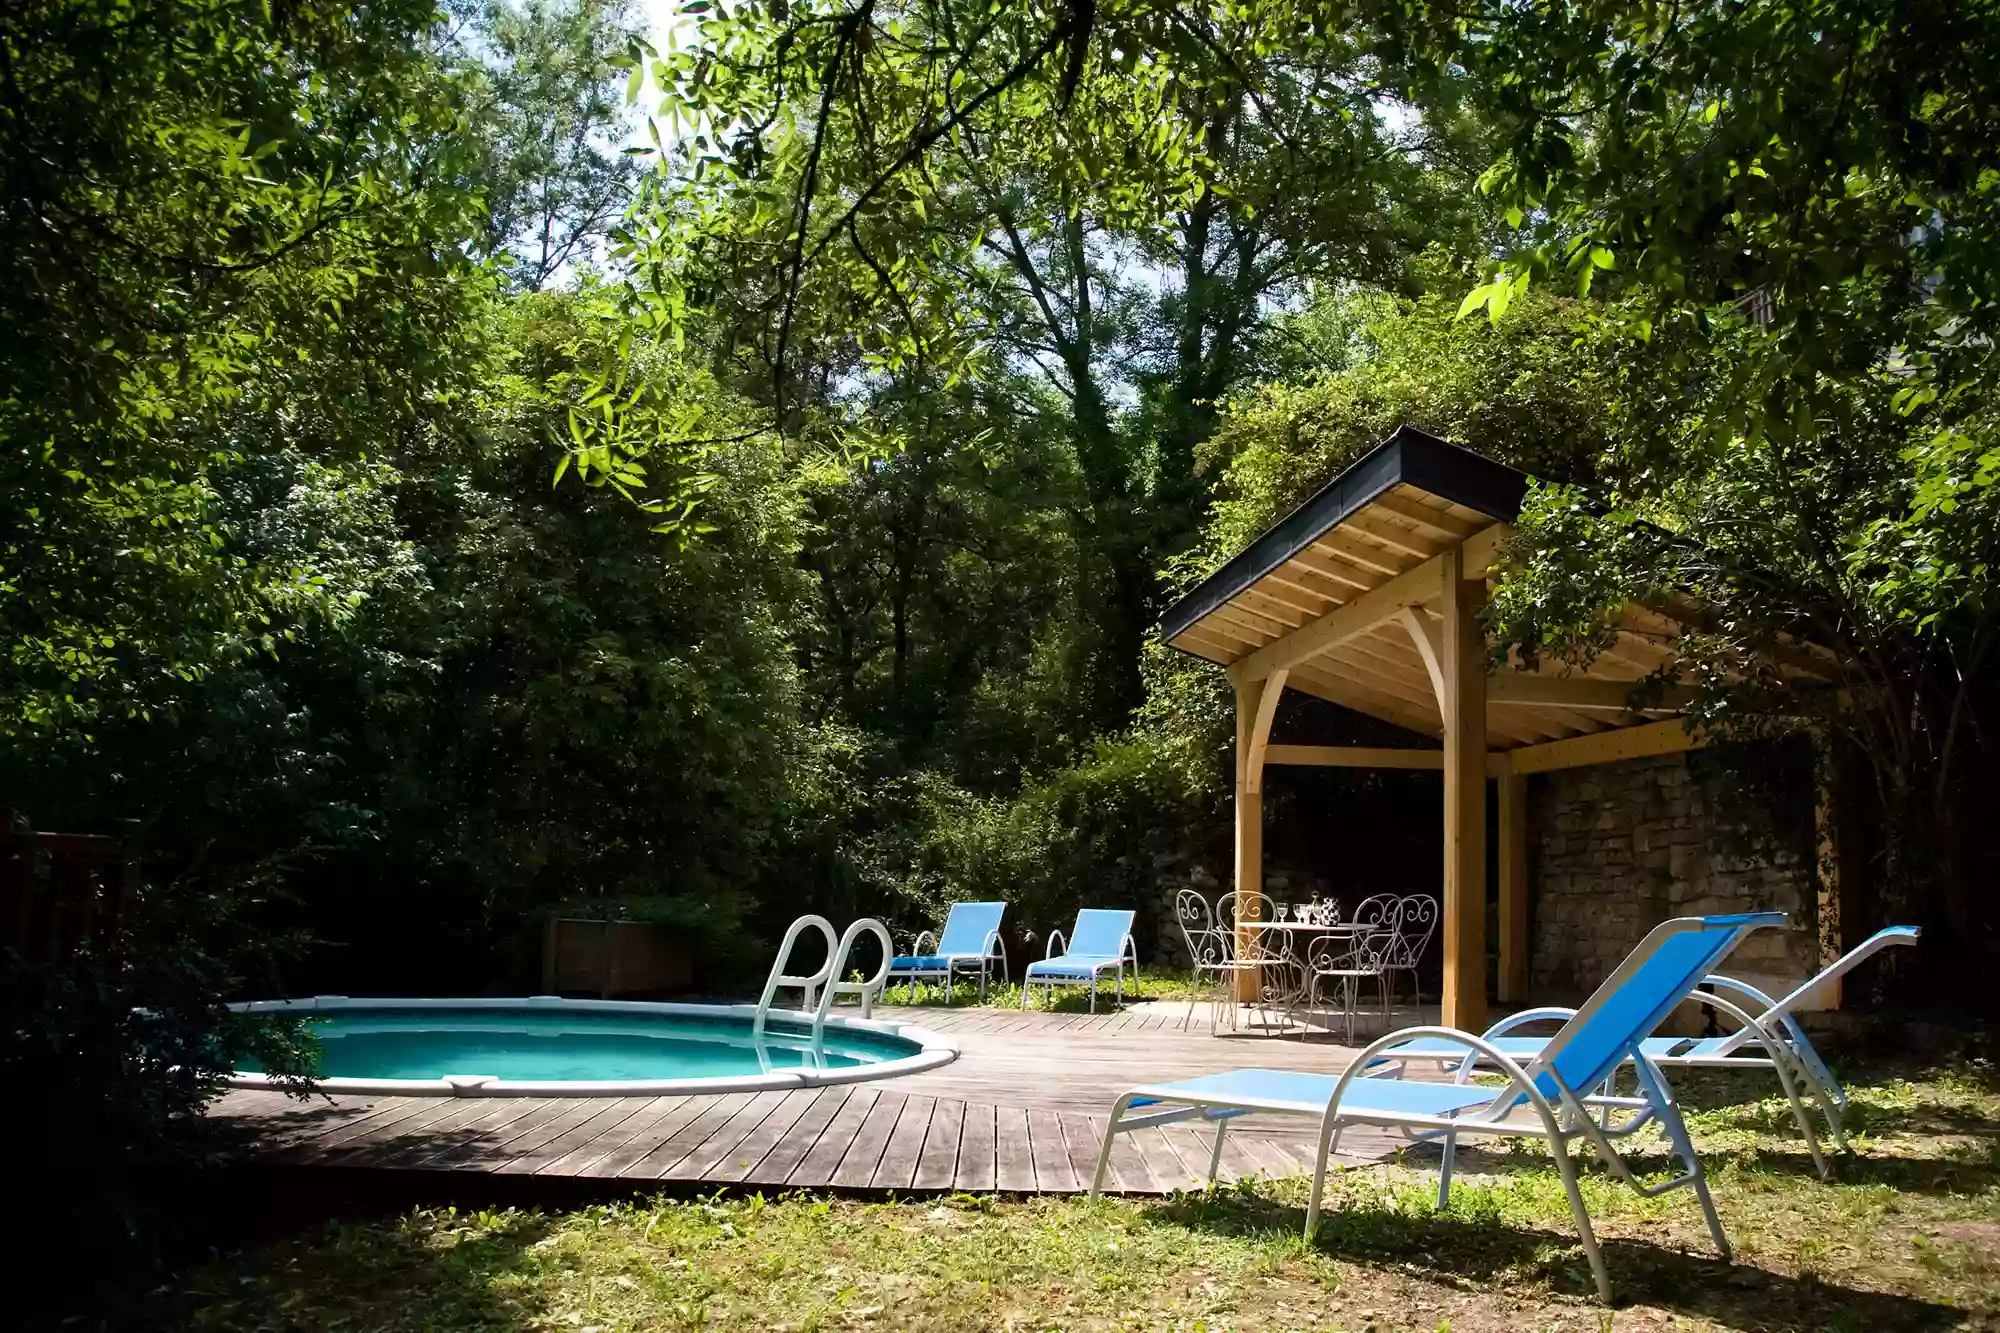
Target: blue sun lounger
{"points": [[1100, 941], [1548, 1097], [1770, 1038], [970, 942]]}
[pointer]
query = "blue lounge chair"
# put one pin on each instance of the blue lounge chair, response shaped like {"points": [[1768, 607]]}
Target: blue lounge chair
{"points": [[1770, 1038], [1101, 941], [970, 942], [1547, 1098]]}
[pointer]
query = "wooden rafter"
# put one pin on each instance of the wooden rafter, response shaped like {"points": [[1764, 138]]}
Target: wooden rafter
{"points": [[1412, 587], [1407, 506], [1606, 747]]}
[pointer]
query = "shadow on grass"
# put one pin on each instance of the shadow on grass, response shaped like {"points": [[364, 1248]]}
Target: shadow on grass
{"points": [[1494, 1256], [343, 1275]]}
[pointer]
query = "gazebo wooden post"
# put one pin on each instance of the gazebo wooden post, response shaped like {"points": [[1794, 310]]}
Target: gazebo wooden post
{"points": [[1249, 818], [1464, 709]]}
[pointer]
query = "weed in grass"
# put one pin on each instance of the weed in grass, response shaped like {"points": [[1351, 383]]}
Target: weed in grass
{"points": [[1160, 986]]}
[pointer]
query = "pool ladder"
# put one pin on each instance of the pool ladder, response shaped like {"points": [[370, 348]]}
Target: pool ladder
{"points": [[813, 998]]}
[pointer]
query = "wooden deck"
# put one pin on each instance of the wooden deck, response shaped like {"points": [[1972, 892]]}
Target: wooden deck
{"points": [[1021, 1110]]}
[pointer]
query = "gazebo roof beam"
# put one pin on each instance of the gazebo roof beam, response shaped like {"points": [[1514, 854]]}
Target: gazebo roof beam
{"points": [[1365, 555], [1579, 692], [1349, 693], [1365, 659], [1338, 569], [1380, 604], [1296, 580], [1395, 535], [1405, 506], [1243, 617], [1273, 602]]}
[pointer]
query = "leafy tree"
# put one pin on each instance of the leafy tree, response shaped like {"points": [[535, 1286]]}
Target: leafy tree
{"points": [[554, 115], [1788, 212], [200, 203], [918, 194]]}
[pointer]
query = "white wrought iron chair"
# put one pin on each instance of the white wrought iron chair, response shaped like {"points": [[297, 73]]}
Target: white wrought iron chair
{"points": [[1376, 909], [1346, 961], [1212, 949], [1416, 924], [1280, 978]]}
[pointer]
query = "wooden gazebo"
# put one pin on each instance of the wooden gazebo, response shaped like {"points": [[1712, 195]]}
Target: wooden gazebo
{"points": [[1368, 595]]}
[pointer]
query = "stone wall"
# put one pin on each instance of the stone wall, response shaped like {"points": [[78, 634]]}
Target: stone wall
{"points": [[1616, 848]]}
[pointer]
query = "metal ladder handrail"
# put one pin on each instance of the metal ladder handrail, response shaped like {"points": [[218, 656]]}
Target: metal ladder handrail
{"points": [[868, 989], [807, 984]]}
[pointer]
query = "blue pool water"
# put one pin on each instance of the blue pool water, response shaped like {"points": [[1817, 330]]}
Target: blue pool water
{"points": [[531, 1045]]}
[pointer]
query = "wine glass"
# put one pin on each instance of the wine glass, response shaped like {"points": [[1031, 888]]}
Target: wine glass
{"points": [[1282, 909]]}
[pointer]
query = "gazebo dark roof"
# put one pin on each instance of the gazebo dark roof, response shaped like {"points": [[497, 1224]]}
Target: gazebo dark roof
{"points": [[1409, 457]]}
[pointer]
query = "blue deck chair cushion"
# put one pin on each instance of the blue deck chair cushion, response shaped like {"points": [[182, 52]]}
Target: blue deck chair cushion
{"points": [[925, 962], [1286, 1088]]}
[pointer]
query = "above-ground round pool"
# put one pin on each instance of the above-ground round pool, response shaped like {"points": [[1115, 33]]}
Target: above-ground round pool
{"points": [[552, 1047]]}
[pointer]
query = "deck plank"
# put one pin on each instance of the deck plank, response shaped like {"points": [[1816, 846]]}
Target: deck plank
{"points": [[776, 1165], [613, 1152], [1170, 1171], [711, 1114], [575, 1111], [489, 1151], [1193, 1145], [818, 1166], [1053, 1173], [607, 1115], [897, 1169], [713, 1151], [409, 1138], [975, 1170], [472, 1140], [937, 1169], [425, 1136], [864, 1153], [300, 1140], [1129, 1172], [1013, 1151], [770, 1132]]}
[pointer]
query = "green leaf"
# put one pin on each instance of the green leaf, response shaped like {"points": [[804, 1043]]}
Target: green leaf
{"points": [[1477, 298]]}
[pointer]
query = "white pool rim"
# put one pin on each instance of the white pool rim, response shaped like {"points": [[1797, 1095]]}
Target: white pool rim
{"points": [[934, 1051]]}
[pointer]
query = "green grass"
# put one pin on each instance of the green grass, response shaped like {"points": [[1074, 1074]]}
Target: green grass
{"points": [[1908, 1237]]}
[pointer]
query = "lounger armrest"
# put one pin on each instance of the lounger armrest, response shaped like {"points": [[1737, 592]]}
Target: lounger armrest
{"points": [[1764, 1003], [1749, 1026], [1516, 1075], [1058, 945], [917, 948], [1784, 1009], [993, 947]]}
